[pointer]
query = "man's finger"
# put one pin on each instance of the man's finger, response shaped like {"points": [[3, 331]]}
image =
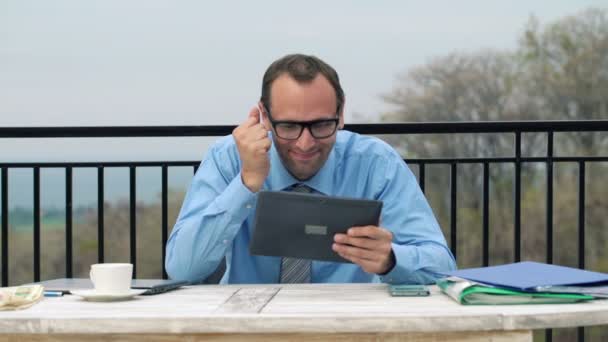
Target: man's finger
{"points": [[372, 232], [266, 144], [367, 265], [262, 145], [363, 242], [364, 263], [253, 117], [356, 252], [255, 113], [262, 133]]}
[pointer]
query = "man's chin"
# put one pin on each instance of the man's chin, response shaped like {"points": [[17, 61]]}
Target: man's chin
{"points": [[302, 170], [303, 173]]}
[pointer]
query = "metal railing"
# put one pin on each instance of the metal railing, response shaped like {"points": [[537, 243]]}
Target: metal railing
{"points": [[512, 127]]}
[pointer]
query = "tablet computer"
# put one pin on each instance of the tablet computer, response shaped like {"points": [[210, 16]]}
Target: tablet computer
{"points": [[302, 225]]}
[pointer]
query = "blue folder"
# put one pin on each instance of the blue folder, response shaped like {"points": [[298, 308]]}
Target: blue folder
{"points": [[531, 276]]}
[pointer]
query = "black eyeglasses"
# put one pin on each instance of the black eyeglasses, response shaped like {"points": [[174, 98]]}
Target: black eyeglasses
{"points": [[292, 130]]}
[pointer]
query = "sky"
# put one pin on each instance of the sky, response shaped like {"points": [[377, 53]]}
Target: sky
{"points": [[150, 62]]}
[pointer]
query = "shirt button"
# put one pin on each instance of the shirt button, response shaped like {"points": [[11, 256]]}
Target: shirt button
{"points": [[248, 206], [225, 241]]}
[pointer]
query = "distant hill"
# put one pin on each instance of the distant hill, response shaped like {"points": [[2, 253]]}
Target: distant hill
{"points": [[116, 187]]}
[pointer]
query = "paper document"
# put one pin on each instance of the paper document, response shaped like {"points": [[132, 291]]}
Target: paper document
{"points": [[595, 291]]}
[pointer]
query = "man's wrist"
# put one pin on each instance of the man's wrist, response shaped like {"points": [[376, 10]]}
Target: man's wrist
{"points": [[253, 186], [392, 261]]}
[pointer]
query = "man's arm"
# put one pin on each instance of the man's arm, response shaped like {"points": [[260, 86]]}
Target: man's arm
{"points": [[219, 200], [419, 246], [411, 249], [213, 211]]}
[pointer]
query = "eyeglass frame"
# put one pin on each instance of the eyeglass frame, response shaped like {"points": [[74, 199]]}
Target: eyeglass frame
{"points": [[302, 125]]}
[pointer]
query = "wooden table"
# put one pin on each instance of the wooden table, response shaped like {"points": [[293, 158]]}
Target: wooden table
{"points": [[309, 312]]}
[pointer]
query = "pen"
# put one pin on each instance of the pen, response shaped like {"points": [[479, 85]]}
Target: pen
{"points": [[53, 293]]}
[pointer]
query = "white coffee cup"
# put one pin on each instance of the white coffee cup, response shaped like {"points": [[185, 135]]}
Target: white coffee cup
{"points": [[111, 278]]}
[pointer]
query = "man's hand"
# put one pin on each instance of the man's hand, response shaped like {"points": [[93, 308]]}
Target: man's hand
{"points": [[369, 247], [253, 144]]}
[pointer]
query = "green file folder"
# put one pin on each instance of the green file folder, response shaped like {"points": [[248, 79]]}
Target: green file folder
{"points": [[470, 293]]}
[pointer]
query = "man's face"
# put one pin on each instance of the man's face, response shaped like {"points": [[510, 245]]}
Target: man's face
{"points": [[293, 101]]}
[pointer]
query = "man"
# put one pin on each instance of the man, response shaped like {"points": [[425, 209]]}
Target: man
{"points": [[293, 137]]}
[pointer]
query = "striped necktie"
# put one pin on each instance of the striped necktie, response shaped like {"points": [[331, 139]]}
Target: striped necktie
{"points": [[295, 270]]}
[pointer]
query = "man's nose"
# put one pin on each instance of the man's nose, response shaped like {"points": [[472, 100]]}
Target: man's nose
{"points": [[306, 141]]}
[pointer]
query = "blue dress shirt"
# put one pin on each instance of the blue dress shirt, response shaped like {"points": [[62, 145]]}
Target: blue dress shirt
{"points": [[217, 216]]}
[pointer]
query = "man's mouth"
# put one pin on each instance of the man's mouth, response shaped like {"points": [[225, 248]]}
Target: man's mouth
{"points": [[304, 156]]}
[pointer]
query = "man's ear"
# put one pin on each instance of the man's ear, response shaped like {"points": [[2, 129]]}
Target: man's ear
{"points": [[341, 116], [264, 116]]}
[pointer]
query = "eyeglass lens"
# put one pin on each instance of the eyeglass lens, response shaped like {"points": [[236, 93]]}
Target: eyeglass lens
{"points": [[319, 130]]}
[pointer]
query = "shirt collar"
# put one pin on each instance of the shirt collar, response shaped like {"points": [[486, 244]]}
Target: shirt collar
{"points": [[281, 179]]}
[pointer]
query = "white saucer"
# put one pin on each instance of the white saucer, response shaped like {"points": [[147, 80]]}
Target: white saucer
{"points": [[95, 296]]}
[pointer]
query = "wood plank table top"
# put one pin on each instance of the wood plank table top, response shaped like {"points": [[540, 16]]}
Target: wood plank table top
{"points": [[308, 308]]}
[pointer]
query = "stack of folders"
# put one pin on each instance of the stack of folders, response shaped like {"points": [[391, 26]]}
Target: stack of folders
{"points": [[523, 283]]}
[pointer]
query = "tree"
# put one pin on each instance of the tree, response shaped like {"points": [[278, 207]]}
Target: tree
{"points": [[565, 68], [459, 87], [559, 71]]}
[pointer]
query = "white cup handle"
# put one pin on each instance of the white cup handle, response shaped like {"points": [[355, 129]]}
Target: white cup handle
{"points": [[92, 275]]}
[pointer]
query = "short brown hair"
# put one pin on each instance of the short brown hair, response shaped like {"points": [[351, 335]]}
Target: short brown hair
{"points": [[303, 69]]}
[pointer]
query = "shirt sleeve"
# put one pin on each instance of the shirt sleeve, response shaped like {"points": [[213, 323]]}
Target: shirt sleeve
{"points": [[216, 205], [420, 249]]}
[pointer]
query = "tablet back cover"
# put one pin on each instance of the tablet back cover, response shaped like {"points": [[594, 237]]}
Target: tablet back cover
{"points": [[301, 225]]}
